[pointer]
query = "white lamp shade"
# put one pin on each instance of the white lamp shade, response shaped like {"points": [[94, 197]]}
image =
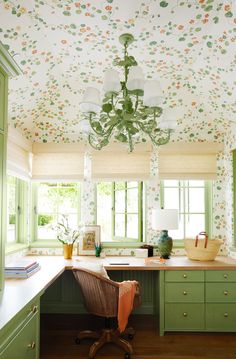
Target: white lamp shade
{"points": [[165, 219], [153, 95], [135, 78], [91, 100], [111, 81], [84, 126], [168, 120], [166, 124]]}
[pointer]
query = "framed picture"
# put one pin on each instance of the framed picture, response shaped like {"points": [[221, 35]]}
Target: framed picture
{"points": [[89, 240]]}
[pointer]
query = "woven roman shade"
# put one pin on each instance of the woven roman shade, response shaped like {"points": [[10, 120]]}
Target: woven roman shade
{"points": [[57, 162], [116, 164], [18, 155], [189, 160]]}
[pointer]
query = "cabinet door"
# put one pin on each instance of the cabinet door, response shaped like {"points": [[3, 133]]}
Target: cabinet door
{"points": [[25, 344], [2, 99], [2, 229]]}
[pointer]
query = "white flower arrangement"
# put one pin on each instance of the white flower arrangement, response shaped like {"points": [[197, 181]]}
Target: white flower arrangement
{"points": [[65, 234]]}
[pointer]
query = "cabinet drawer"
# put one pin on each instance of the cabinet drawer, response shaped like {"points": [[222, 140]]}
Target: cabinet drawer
{"points": [[221, 276], [25, 344], [221, 292], [221, 317], [184, 276], [184, 292], [184, 316]]}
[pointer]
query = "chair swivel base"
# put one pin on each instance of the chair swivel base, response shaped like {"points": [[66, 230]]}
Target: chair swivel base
{"points": [[106, 336]]}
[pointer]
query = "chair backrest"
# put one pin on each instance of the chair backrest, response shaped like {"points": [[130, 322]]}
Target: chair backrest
{"points": [[100, 294]]}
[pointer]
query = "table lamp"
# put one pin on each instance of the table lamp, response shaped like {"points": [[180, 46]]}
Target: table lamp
{"points": [[165, 219]]}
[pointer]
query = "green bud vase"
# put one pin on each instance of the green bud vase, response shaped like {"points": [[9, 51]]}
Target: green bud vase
{"points": [[165, 245]]}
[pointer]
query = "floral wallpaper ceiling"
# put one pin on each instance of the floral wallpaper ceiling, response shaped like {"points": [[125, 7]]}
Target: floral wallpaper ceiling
{"points": [[62, 46]]}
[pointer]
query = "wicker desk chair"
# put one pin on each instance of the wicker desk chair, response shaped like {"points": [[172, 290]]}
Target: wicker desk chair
{"points": [[101, 299]]}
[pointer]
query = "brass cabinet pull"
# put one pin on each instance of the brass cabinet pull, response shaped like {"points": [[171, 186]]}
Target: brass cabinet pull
{"points": [[226, 292], [184, 292], [226, 315], [185, 276], [31, 345], [185, 314], [34, 309], [225, 276]]}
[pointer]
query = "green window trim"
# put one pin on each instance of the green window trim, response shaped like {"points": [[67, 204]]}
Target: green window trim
{"points": [[36, 242], [178, 243], [126, 242], [21, 222]]}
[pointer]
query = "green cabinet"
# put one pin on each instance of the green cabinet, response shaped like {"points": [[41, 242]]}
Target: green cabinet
{"points": [[21, 339], [3, 88], [8, 68], [198, 300]]}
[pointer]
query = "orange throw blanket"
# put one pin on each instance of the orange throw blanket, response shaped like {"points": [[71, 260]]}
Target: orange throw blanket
{"points": [[127, 291]]}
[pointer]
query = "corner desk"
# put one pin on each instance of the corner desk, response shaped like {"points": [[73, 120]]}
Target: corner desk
{"points": [[187, 296]]}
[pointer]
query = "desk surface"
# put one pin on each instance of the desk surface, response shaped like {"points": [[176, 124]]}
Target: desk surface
{"points": [[19, 292]]}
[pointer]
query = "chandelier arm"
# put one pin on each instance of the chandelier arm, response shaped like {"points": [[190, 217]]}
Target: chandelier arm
{"points": [[162, 141], [102, 132], [131, 146]]}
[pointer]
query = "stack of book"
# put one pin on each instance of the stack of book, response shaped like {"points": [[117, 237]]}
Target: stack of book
{"points": [[21, 268]]}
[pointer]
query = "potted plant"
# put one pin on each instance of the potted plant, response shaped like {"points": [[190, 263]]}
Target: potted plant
{"points": [[67, 236]]}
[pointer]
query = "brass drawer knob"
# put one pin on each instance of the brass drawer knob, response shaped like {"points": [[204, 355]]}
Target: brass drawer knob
{"points": [[31, 345], [34, 309], [185, 276], [226, 292], [225, 276], [226, 315], [185, 314], [184, 292]]}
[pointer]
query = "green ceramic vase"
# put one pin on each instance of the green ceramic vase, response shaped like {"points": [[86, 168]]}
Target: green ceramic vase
{"points": [[165, 245]]}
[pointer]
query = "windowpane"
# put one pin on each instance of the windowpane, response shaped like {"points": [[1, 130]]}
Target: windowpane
{"points": [[171, 183], [196, 200], [132, 226], [54, 200], [104, 210], [171, 198], [47, 198], [118, 210], [189, 198], [11, 207], [68, 200], [120, 201], [119, 225], [195, 223], [132, 200], [132, 184], [45, 226]]}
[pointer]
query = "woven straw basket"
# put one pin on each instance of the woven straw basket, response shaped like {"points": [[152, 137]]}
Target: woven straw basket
{"points": [[201, 249]]}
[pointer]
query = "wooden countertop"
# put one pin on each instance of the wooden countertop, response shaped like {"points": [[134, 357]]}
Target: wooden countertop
{"points": [[19, 292]]}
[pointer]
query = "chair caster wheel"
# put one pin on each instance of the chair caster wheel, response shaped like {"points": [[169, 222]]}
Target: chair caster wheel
{"points": [[127, 356], [130, 336], [77, 341]]}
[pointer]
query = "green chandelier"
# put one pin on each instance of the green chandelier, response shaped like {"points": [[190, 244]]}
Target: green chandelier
{"points": [[130, 111]]}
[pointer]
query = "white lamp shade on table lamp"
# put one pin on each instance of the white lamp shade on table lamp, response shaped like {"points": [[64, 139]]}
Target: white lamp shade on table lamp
{"points": [[165, 219]]}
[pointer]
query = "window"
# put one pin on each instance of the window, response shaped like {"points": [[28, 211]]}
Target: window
{"points": [[51, 201], [12, 209], [120, 211], [17, 210], [193, 200]]}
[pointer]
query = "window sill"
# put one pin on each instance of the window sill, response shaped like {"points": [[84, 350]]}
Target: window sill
{"points": [[15, 247], [46, 244]]}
